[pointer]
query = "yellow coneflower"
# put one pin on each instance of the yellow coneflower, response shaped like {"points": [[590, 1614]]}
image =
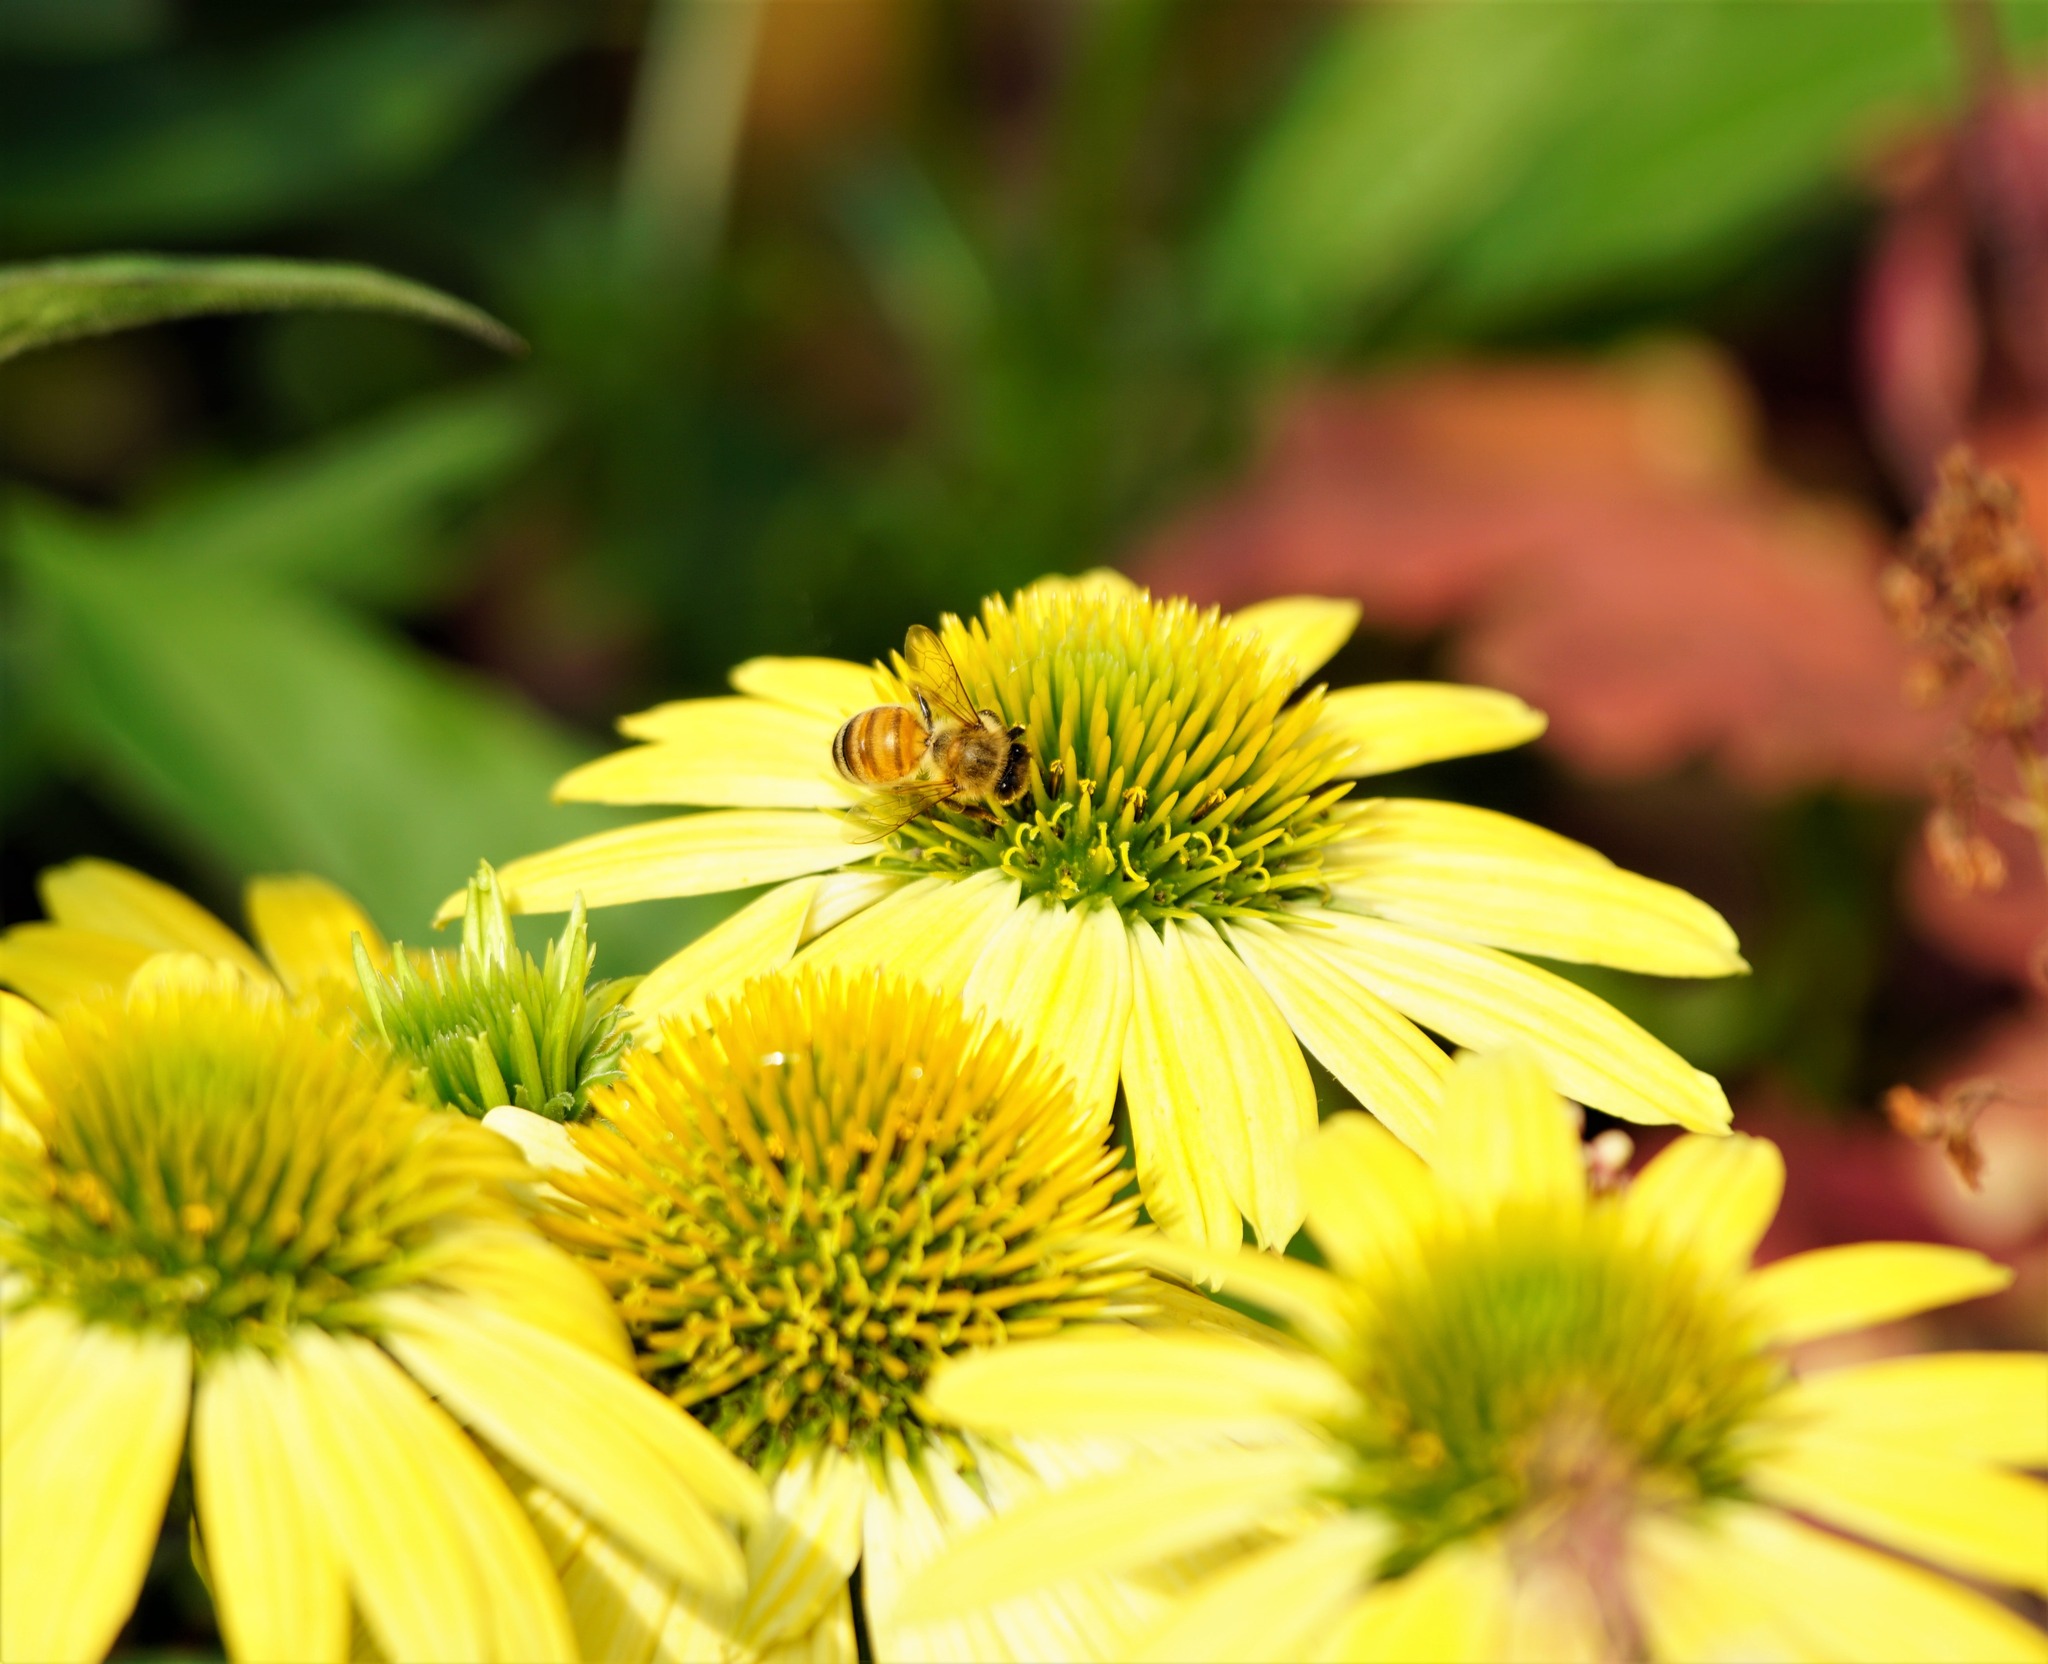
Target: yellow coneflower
{"points": [[801, 1207], [1185, 892], [227, 1231], [1522, 1423]]}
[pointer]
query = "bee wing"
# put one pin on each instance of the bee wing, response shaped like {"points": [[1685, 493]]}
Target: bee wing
{"points": [[875, 817], [933, 673]]}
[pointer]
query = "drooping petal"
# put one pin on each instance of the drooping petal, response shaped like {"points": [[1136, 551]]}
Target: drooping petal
{"points": [[1303, 630], [1451, 1609], [53, 963], [83, 1489], [930, 931], [113, 900], [1279, 1602], [1710, 1199], [1061, 977], [1827, 1291], [307, 927], [1111, 1380], [278, 1582], [1505, 1138], [1980, 1520], [738, 753], [800, 1556], [517, 1273], [1391, 725], [1372, 1205], [1321, 1307], [1182, 1182], [761, 936], [1479, 998], [442, 1562], [545, 1144], [831, 689], [1382, 1059], [691, 855], [1990, 1406], [604, 1439]]}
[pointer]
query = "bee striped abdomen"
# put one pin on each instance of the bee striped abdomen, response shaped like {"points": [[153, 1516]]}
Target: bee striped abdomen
{"points": [[880, 747]]}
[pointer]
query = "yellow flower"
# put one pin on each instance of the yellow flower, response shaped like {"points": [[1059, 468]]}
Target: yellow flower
{"points": [[801, 1207], [1525, 1424], [225, 1229], [1188, 892]]}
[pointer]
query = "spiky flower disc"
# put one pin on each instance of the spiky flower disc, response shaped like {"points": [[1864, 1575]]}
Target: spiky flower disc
{"points": [[804, 1203]]}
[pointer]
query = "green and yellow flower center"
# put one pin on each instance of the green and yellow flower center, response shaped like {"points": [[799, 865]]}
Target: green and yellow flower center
{"points": [[806, 1202], [1539, 1374], [1174, 772], [218, 1163]]}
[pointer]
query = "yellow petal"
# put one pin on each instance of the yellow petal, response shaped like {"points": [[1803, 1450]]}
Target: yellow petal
{"points": [[841, 895], [1061, 977], [1384, 1061], [1827, 1291], [1505, 1138], [1476, 997], [1277, 1603], [81, 1500], [307, 927], [608, 1442], [692, 855], [518, 1273], [1476, 880], [1553, 1617], [1750, 1583], [1422, 821], [1304, 631], [545, 1144], [20, 1097], [1123, 1520], [40, 1346], [760, 937], [1982, 1521], [113, 900], [1451, 1609], [1391, 725], [1372, 1205], [1105, 1379], [1991, 1406], [1249, 1081], [278, 1584], [53, 963], [1314, 1302], [1100, 581], [743, 753], [1181, 1179], [1710, 1199], [832, 689], [932, 931], [801, 1555], [441, 1561]]}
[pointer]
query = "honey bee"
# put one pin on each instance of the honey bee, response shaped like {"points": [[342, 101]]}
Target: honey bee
{"points": [[944, 751]]}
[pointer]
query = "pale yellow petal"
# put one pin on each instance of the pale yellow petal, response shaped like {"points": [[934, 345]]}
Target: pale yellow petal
{"points": [[738, 753], [1505, 1138], [830, 689], [40, 1348], [1317, 1304], [1103, 581], [82, 1497], [1710, 1199], [931, 931], [278, 1583], [113, 900], [831, 1640], [843, 894], [691, 855], [1451, 1609], [441, 1561], [1281, 1602], [20, 1097], [1061, 978], [602, 1437], [1476, 997], [1123, 1520], [1382, 1059], [1827, 1291], [1427, 821], [1749, 1583], [1372, 1205], [1305, 631], [1107, 1379], [1991, 1406], [307, 927], [53, 963], [762, 936], [522, 1275], [1979, 1520], [1182, 1181], [800, 1556], [545, 1144], [1392, 725], [1553, 1617]]}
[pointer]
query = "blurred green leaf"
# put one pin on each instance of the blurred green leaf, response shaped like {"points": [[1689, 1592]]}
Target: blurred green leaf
{"points": [[62, 300], [82, 28], [179, 145]]}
